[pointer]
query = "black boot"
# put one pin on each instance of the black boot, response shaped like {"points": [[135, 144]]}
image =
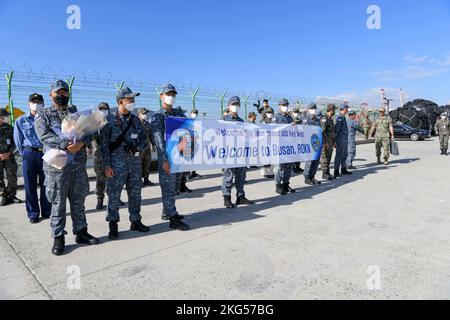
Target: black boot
{"points": [[4, 202], [100, 205], [139, 227], [58, 246], [113, 231], [227, 202], [83, 237], [166, 217], [13, 200], [337, 174], [346, 172], [242, 200], [121, 203], [309, 182], [148, 183], [327, 176], [288, 189], [379, 160], [177, 224], [184, 188], [279, 189], [316, 182]]}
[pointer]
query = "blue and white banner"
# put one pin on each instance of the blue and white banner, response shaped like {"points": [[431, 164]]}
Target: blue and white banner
{"points": [[194, 145]]}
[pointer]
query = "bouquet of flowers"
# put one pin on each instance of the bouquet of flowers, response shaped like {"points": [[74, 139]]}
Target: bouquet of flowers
{"points": [[75, 127]]}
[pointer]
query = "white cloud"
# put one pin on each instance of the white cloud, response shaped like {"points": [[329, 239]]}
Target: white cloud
{"points": [[371, 96]]}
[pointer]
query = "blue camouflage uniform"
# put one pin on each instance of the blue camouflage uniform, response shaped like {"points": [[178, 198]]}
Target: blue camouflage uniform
{"points": [[353, 126], [236, 174], [168, 183], [341, 142], [283, 172], [125, 162], [311, 166], [30, 148], [69, 183]]}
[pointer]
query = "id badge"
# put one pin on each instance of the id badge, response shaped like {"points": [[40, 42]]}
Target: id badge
{"points": [[8, 142], [134, 136]]}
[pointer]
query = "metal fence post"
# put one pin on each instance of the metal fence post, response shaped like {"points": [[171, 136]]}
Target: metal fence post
{"points": [[194, 97], [9, 77], [222, 99], [70, 82], [245, 106]]}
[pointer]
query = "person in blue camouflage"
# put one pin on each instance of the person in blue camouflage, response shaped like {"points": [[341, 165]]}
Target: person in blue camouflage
{"points": [[72, 181], [283, 172], [237, 175], [121, 141], [312, 166], [353, 126], [341, 131], [167, 180]]}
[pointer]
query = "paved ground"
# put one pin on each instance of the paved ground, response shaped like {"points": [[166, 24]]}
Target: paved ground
{"points": [[321, 243]]}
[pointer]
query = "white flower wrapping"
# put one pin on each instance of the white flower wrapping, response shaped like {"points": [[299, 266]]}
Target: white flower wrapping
{"points": [[75, 127]]}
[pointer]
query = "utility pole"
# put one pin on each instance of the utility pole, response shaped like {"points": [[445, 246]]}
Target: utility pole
{"points": [[9, 77]]}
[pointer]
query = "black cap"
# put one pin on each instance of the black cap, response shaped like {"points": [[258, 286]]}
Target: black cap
{"points": [[36, 96]]}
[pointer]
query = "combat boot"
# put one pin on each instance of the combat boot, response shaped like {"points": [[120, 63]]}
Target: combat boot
{"points": [[327, 176], [4, 202], [316, 182], [184, 188], [379, 160], [83, 237], [177, 224], [346, 172], [113, 231], [227, 202], [165, 217], [445, 152], [100, 205], [337, 174], [139, 227], [309, 181], [288, 189], [58, 246], [279, 189], [242, 200], [148, 183], [442, 152], [13, 200]]}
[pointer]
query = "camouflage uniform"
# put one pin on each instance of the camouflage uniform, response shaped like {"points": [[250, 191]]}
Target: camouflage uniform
{"points": [[9, 166], [311, 166], [236, 174], [168, 183], [341, 132], [442, 128], [125, 163], [69, 183], [283, 172], [366, 124], [99, 168], [328, 138], [353, 127], [146, 154], [383, 136]]}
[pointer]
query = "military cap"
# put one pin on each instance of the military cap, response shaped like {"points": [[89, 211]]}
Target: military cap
{"points": [[352, 113], [35, 96], [194, 111], [103, 105], [343, 106], [331, 107], [125, 93], [3, 112], [283, 102], [312, 106], [169, 88], [234, 100], [382, 109], [444, 114], [59, 85]]}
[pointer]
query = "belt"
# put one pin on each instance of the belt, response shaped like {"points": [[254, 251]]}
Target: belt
{"points": [[33, 149]]}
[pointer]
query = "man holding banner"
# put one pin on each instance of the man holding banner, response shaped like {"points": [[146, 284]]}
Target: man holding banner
{"points": [[235, 174], [283, 172]]}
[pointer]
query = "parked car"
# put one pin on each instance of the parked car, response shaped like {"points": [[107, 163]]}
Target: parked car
{"points": [[403, 131]]}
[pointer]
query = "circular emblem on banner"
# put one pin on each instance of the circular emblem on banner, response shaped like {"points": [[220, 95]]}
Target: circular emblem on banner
{"points": [[315, 142]]}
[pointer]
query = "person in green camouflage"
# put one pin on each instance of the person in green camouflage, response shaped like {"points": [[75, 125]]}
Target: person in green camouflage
{"points": [[329, 139], [442, 128], [384, 133]]}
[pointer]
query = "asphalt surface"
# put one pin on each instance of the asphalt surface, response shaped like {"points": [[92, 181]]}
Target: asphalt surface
{"points": [[382, 233]]}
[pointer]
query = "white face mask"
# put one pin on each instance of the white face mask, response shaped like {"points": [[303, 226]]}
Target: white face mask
{"points": [[312, 112], [269, 116], [105, 113], [295, 115], [194, 116], [130, 107], [169, 100], [36, 106], [443, 117], [144, 117], [234, 109], [284, 109]]}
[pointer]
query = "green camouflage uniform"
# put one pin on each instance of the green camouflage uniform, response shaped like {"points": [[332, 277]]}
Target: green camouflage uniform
{"points": [[8, 166], [383, 136], [329, 136], [99, 169], [442, 128], [367, 125]]}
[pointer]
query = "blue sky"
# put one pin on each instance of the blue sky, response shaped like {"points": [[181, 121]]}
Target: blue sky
{"points": [[308, 48]]}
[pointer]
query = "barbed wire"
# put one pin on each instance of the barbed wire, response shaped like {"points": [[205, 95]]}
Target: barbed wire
{"points": [[91, 88]]}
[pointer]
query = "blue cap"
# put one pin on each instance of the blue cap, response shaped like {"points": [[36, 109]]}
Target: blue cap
{"points": [[126, 93], [352, 113], [312, 106], [343, 107], [169, 88], [283, 102], [59, 85], [234, 100]]}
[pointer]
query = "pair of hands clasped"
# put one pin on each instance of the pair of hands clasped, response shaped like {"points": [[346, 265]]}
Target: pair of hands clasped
{"points": [[5, 156]]}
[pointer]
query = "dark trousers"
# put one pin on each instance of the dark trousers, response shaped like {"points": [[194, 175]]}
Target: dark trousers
{"points": [[32, 173]]}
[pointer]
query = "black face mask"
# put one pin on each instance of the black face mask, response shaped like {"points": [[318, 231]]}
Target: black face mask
{"points": [[61, 100]]}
